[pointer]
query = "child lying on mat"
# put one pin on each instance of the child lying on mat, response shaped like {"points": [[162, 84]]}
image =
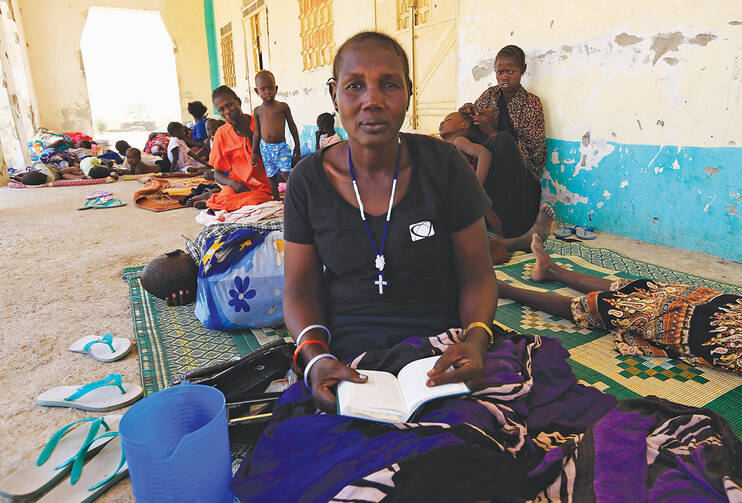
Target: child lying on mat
{"points": [[693, 323], [173, 276]]}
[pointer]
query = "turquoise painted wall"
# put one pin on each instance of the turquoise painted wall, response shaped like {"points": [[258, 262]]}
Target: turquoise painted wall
{"points": [[307, 139], [684, 197]]}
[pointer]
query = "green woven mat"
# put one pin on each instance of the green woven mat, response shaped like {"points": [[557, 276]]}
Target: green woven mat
{"points": [[593, 358], [171, 340]]}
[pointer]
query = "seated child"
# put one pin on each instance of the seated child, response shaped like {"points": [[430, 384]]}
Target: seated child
{"points": [[198, 111], [325, 134], [121, 147], [458, 128], [650, 318], [269, 139], [177, 148], [135, 164]]}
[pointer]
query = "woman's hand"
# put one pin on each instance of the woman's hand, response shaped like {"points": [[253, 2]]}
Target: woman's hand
{"points": [[468, 109], [485, 121], [324, 375], [468, 360]]}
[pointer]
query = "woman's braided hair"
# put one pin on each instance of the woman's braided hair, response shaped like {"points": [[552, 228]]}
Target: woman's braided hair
{"points": [[515, 53]]}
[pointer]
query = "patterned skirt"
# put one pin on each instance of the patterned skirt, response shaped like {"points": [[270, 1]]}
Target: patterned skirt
{"points": [[694, 323]]}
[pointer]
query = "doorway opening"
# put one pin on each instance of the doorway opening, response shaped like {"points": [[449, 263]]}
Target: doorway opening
{"points": [[130, 71]]}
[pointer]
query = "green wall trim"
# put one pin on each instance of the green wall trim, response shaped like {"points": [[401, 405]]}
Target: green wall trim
{"points": [[211, 43]]}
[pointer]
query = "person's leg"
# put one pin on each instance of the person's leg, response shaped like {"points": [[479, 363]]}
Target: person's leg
{"points": [[514, 193], [546, 270], [274, 186], [551, 303], [541, 227]]}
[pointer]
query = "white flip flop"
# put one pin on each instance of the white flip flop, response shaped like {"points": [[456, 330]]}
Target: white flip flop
{"points": [[100, 396], [57, 457], [94, 478], [105, 349]]}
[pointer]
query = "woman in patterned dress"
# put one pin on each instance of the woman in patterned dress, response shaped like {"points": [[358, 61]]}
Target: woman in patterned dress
{"points": [[697, 324], [513, 119]]}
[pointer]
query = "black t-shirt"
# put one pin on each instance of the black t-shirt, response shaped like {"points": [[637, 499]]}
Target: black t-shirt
{"points": [[443, 197]]}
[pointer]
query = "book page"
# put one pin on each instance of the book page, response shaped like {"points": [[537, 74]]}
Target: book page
{"points": [[412, 379], [380, 393]]}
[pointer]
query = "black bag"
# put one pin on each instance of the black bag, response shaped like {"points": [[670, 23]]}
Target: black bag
{"points": [[244, 380]]}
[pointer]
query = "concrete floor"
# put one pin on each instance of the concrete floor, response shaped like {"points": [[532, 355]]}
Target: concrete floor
{"points": [[62, 280]]}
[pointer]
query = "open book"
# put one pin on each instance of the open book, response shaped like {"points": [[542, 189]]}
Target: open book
{"points": [[393, 399]]}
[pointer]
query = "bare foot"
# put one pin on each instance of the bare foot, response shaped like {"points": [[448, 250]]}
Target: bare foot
{"points": [[543, 260], [542, 225]]}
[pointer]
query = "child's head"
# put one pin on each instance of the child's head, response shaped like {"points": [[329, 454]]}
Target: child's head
{"points": [[212, 125], [510, 65], [371, 60], [197, 110], [455, 124], [177, 130], [122, 146], [84, 144], [326, 122], [265, 86], [99, 172], [34, 178], [133, 156], [170, 273], [228, 104]]}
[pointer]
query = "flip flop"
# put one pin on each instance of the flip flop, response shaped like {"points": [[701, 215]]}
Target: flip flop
{"points": [[94, 477], [564, 232], [100, 195], [57, 457], [99, 396], [585, 232], [105, 349], [101, 203]]}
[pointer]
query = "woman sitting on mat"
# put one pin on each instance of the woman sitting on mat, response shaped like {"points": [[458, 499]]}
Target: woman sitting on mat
{"points": [[459, 129], [513, 119], [693, 323], [242, 183], [386, 249]]}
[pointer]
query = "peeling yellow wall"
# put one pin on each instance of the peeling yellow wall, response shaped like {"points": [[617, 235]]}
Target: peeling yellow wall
{"points": [[53, 30], [662, 72]]}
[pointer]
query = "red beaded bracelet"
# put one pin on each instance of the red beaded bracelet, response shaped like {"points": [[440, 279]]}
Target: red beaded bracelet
{"points": [[306, 343]]}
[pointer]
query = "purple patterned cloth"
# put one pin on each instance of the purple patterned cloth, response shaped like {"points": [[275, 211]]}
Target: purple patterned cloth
{"points": [[532, 432]]}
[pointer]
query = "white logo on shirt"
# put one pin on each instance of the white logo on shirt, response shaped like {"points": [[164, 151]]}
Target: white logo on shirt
{"points": [[421, 230]]}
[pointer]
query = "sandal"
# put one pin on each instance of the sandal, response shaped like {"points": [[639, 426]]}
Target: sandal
{"points": [[102, 202], [89, 480], [564, 232], [97, 396], [584, 232], [101, 194], [70, 442], [105, 349]]}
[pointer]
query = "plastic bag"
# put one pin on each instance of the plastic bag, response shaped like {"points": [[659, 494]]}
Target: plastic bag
{"points": [[240, 281]]}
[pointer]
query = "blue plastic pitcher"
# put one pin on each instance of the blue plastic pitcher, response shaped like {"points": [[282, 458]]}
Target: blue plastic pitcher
{"points": [[177, 446]]}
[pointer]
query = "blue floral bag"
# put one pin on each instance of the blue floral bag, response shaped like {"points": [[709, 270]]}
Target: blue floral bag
{"points": [[240, 281]]}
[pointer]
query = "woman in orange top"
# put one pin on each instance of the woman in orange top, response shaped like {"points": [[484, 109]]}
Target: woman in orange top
{"points": [[242, 183]]}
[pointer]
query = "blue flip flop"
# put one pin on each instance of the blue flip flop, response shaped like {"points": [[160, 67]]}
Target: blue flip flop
{"points": [[564, 232], [584, 232]]}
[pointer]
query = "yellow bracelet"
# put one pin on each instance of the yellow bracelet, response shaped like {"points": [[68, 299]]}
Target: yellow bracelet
{"points": [[491, 338]]}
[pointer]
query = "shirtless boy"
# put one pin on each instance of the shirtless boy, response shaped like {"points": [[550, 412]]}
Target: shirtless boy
{"points": [[136, 165], [269, 139]]}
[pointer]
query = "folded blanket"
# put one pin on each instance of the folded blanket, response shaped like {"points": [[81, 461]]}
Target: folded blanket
{"points": [[264, 212], [161, 194]]}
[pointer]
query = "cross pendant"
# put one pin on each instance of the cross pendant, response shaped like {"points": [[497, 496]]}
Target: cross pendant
{"points": [[381, 284]]}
